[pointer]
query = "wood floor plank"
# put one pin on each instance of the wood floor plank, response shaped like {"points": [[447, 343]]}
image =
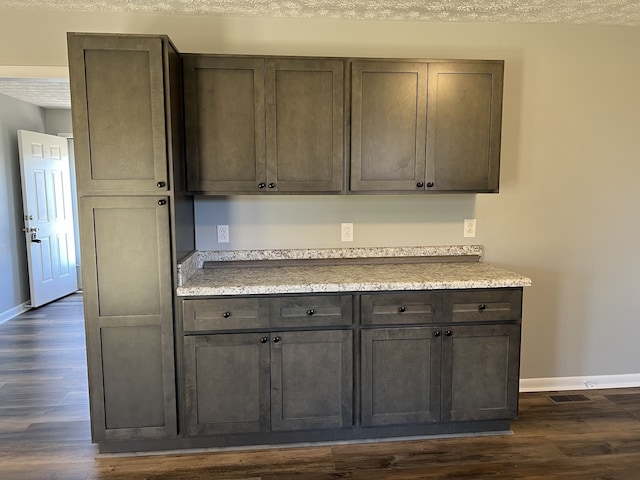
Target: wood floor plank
{"points": [[44, 430]]}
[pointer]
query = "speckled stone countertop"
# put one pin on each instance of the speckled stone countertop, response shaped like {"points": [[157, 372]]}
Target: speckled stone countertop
{"points": [[348, 278]]}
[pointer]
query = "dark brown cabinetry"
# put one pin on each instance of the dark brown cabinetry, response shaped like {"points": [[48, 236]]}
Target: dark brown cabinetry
{"points": [[265, 378], [448, 372], [425, 126], [126, 99], [264, 125]]}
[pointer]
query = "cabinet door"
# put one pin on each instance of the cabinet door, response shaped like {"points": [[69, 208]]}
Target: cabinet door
{"points": [[480, 372], [128, 316], [224, 124], [118, 102], [388, 132], [226, 383], [400, 376], [311, 380], [305, 125], [464, 121]]}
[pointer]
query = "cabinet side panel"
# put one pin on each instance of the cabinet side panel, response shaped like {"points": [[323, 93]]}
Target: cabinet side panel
{"points": [[132, 375]]}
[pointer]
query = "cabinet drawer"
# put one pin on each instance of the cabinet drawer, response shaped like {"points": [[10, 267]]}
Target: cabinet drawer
{"points": [[225, 314], [311, 311], [400, 308], [482, 305]]}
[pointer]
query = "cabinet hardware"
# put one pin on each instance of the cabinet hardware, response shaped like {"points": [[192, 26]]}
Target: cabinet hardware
{"points": [[436, 333], [311, 311], [272, 185], [482, 307], [262, 185], [264, 339], [429, 184], [402, 309], [162, 202], [448, 333], [420, 184], [161, 184], [226, 314], [276, 339]]}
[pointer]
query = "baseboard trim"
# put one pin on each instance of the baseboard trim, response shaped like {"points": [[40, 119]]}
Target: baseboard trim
{"points": [[14, 312], [579, 383]]}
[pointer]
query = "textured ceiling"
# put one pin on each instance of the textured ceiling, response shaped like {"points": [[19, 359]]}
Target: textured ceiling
{"points": [[54, 93], [606, 12]]}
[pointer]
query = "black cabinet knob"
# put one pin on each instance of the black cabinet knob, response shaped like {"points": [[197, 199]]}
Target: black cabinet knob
{"points": [[272, 185], [262, 185], [448, 333], [226, 314], [420, 184], [402, 309], [436, 333], [482, 307], [162, 202], [264, 339], [276, 339], [429, 184], [311, 311], [161, 184]]}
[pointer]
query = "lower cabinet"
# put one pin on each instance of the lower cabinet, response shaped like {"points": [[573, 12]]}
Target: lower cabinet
{"points": [[258, 382], [439, 374]]}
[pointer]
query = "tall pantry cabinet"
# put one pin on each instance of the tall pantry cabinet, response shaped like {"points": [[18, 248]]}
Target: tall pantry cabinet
{"points": [[127, 120]]}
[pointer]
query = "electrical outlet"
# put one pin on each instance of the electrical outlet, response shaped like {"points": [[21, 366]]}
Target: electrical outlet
{"points": [[223, 233], [347, 232], [469, 227]]}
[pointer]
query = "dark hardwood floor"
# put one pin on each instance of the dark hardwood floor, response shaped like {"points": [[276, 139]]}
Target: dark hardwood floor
{"points": [[44, 429]]}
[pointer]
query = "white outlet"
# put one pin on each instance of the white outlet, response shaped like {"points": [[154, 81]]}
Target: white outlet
{"points": [[347, 232], [223, 233], [469, 227]]}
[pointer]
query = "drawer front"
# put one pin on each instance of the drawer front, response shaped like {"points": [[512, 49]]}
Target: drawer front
{"points": [[225, 314], [482, 306], [311, 311], [400, 308]]}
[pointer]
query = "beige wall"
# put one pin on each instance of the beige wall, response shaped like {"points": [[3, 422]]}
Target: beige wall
{"points": [[566, 214]]}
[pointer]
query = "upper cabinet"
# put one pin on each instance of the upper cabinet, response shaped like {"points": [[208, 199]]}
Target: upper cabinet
{"points": [[425, 126], [122, 134], [264, 125]]}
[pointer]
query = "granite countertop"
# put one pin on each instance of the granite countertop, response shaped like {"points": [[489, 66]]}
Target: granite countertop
{"points": [[348, 278]]}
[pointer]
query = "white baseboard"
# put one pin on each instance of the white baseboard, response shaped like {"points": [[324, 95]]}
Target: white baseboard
{"points": [[579, 383], [14, 312]]}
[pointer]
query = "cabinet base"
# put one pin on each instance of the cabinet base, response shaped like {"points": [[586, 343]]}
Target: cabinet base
{"points": [[270, 439]]}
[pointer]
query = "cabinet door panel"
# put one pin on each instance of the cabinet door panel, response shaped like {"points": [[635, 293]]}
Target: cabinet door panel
{"points": [[464, 121], [224, 123], [481, 366], [400, 376], [311, 380], [128, 316], [305, 125], [388, 121], [117, 88], [226, 383]]}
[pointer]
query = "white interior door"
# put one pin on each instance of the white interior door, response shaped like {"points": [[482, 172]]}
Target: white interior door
{"points": [[48, 216]]}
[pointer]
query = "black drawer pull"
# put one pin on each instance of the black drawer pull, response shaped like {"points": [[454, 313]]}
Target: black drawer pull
{"points": [[402, 309], [276, 339], [482, 307], [162, 202], [436, 334], [264, 339], [429, 184], [161, 184], [448, 333], [272, 185], [311, 311], [420, 184], [226, 314], [262, 185]]}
